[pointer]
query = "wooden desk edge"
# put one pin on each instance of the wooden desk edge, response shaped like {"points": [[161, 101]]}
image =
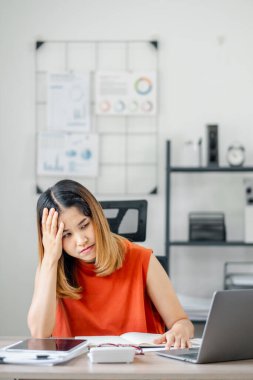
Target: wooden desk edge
{"points": [[147, 367]]}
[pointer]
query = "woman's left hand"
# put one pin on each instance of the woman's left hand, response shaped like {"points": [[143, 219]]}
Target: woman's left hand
{"points": [[178, 336]]}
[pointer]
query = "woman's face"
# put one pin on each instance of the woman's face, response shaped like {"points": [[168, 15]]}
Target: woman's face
{"points": [[78, 234]]}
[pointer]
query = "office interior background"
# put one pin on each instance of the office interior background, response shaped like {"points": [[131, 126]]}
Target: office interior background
{"points": [[205, 76]]}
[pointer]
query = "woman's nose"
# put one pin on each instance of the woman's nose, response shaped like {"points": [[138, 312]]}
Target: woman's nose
{"points": [[81, 239]]}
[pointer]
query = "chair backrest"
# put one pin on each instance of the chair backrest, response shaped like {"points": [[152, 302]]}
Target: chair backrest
{"points": [[127, 218]]}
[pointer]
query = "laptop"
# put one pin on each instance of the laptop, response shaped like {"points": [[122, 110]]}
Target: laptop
{"points": [[228, 333], [47, 351]]}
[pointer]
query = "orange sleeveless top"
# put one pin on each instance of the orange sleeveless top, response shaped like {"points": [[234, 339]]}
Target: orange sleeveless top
{"points": [[111, 305]]}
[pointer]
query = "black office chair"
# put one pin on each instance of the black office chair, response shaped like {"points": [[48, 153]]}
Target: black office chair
{"points": [[127, 218]]}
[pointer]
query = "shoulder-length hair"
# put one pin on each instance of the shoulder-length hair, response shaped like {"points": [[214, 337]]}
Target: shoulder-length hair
{"points": [[110, 248]]}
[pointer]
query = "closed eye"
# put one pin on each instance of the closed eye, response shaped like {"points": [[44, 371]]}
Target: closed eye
{"points": [[66, 235], [83, 226]]}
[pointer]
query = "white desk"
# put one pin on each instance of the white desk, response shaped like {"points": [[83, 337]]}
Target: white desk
{"points": [[145, 367]]}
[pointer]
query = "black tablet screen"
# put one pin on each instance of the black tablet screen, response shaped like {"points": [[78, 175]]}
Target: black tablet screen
{"points": [[47, 344]]}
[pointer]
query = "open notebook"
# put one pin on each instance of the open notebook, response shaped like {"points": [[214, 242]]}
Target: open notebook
{"points": [[144, 340]]}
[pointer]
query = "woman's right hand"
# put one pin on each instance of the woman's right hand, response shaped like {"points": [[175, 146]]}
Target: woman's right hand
{"points": [[51, 235]]}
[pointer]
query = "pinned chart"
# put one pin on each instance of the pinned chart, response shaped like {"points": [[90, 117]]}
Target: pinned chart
{"points": [[68, 96], [125, 93], [67, 154]]}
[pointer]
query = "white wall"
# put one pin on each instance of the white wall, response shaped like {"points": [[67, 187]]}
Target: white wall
{"points": [[206, 76]]}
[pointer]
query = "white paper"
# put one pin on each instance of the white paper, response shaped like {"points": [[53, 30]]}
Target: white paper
{"points": [[26, 358], [51, 157], [81, 154], [97, 340], [133, 338], [125, 93], [72, 154], [68, 102], [137, 338]]}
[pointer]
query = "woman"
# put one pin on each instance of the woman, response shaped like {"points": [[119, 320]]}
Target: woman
{"points": [[90, 281]]}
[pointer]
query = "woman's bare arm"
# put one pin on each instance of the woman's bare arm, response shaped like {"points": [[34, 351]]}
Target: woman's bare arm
{"points": [[41, 316], [164, 298]]}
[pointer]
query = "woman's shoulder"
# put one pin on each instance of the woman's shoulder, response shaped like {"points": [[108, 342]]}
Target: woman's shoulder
{"points": [[137, 249], [137, 259]]}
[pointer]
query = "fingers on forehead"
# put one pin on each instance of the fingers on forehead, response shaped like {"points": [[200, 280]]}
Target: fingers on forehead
{"points": [[44, 215], [47, 215]]}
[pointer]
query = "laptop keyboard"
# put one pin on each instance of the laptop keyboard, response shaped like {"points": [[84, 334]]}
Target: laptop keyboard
{"points": [[182, 353], [192, 355]]}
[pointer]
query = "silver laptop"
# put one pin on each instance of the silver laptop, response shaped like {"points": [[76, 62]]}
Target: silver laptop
{"points": [[228, 333]]}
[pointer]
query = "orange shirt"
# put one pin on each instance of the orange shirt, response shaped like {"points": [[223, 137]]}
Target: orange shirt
{"points": [[113, 304]]}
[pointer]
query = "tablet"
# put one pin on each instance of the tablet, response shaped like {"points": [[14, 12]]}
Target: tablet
{"points": [[49, 346]]}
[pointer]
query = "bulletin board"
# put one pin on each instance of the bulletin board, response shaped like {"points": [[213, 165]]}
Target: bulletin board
{"points": [[127, 140]]}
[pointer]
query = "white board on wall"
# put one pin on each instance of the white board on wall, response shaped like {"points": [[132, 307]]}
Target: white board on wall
{"points": [[128, 156]]}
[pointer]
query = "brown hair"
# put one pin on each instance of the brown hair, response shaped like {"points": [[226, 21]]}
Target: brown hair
{"points": [[110, 248]]}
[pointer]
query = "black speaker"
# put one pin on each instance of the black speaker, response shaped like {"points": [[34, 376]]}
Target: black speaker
{"points": [[212, 145]]}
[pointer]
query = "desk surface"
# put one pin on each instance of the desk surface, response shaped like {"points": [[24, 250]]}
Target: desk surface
{"points": [[145, 367]]}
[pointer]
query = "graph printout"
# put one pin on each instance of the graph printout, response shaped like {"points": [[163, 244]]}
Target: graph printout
{"points": [[72, 154], [125, 93], [68, 102]]}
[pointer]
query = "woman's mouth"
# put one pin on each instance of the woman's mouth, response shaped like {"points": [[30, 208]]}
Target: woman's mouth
{"points": [[87, 250]]}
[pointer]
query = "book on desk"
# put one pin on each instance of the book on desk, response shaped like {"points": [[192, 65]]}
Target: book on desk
{"points": [[143, 340]]}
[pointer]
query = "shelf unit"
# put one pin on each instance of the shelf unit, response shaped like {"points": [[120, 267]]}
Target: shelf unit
{"points": [[188, 170]]}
